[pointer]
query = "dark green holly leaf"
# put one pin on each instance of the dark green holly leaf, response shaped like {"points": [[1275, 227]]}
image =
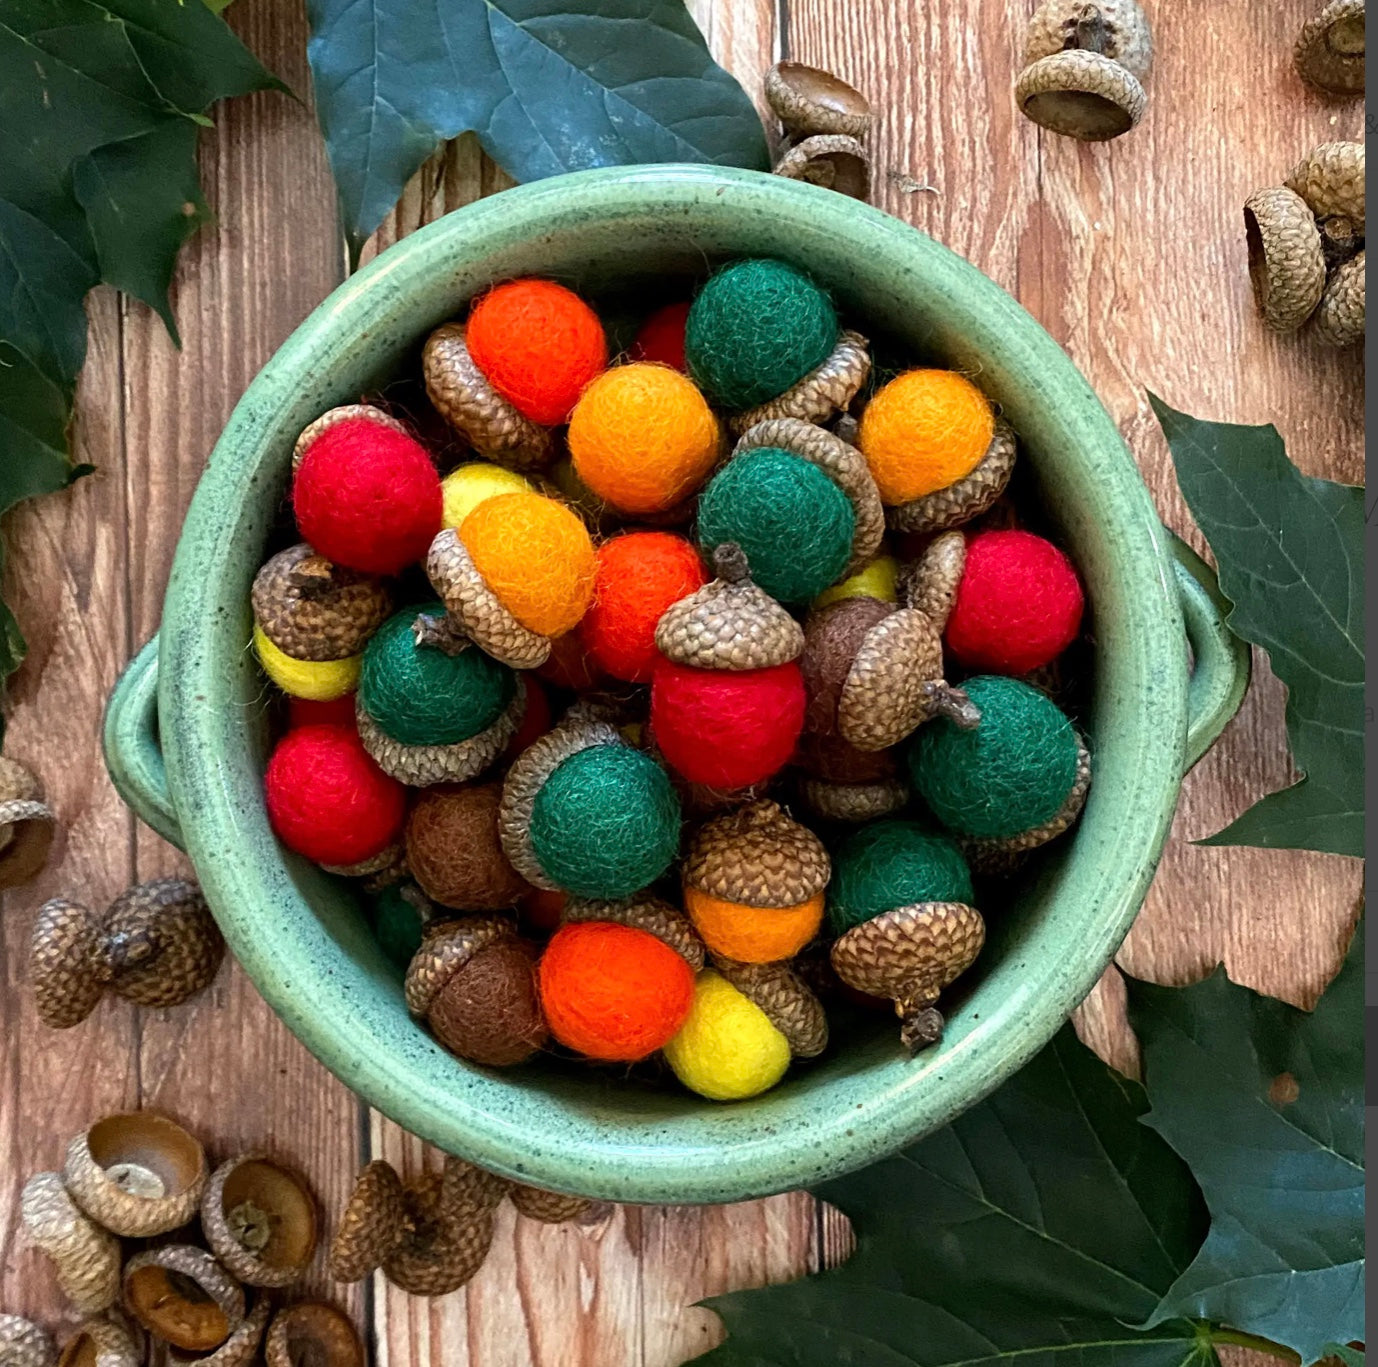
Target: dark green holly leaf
{"points": [[548, 85], [1265, 1102], [1035, 1230], [1290, 554]]}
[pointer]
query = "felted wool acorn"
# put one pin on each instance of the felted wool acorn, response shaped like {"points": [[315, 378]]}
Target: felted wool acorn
{"points": [[453, 849], [155, 945], [85, 1257], [900, 905], [183, 1297], [101, 1341], [966, 498], [519, 572], [1084, 65], [877, 578], [585, 813], [348, 412], [1015, 780], [259, 1217], [397, 915], [312, 1334], [473, 981], [1329, 53], [26, 825], [321, 711], [25, 1344], [753, 884], [660, 339], [432, 706], [515, 369], [762, 341], [474, 482], [852, 803], [643, 912]]}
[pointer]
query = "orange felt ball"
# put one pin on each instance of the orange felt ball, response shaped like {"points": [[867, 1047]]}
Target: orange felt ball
{"points": [[924, 430], [639, 575], [539, 344], [613, 992], [753, 935], [536, 556], [642, 437]]}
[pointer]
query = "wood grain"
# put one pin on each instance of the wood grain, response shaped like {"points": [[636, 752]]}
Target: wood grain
{"points": [[1130, 254]]}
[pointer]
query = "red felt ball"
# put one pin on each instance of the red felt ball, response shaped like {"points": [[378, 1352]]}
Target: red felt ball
{"points": [[536, 718], [639, 575], [367, 497], [662, 337], [328, 800], [539, 344], [613, 992], [725, 729], [569, 666], [1018, 606], [310, 712]]}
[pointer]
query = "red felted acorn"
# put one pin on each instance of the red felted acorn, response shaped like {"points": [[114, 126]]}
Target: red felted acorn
{"points": [[661, 336]]}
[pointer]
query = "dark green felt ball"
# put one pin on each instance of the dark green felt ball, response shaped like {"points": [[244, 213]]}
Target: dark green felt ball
{"points": [[1009, 774], [756, 328], [420, 695], [396, 925], [890, 864], [793, 522]]}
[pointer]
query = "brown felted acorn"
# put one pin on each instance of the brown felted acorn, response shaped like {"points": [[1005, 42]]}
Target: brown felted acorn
{"points": [[156, 945], [313, 610], [136, 1174], [104, 1341], [1084, 65], [183, 1296], [1329, 53], [1286, 259], [344, 413], [259, 1217], [26, 825], [549, 1207], [808, 100], [647, 913], [474, 982], [454, 852], [85, 1256], [792, 1006], [25, 1344], [313, 1334], [463, 395], [833, 161], [1340, 317], [967, 498]]}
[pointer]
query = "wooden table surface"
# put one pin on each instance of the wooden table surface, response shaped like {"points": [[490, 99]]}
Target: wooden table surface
{"points": [[1132, 255]]}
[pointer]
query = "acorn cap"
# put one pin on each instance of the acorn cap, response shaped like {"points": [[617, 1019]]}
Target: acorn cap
{"points": [[808, 100], [313, 1334], [240, 1349], [729, 623], [931, 584], [1081, 94], [25, 1344], [1330, 48], [895, 683], [259, 1217], [463, 396], [756, 857], [161, 942], [967, 498], [137, 1173], [1117, 29], [446, 946], [26, 825], [833, 161], [65, 963], [371, 1225], [1339, 320], [644, 912], [440, 1248], [782, 994], [344, 413], [550, 1207], [476, 608], [86, 1257], [825, 390], [182, 1296], [468, 1187], [421, 766], [843, 464], [386, 867], [1331, 181], [99, 1342], [1286, 262], [313, 610], [910, 954], [852, 802]]}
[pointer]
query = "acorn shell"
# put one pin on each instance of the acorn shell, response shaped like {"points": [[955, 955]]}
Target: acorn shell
{"points": [[66, 964], [826, 390], [386, 867], [26, 825], [100, 1342], [1117, 29], [371, 1225], [1286, 262], [843, 464], [967, 498], [440, 1249], [809, 100], [259, 1217], [196, 1318], [161, 943], [1339, 320], [463, 396], [852, 802], [446, 946], [1329, 53], [782, 994], [85, 1257], [931, 584], [240, 1349], [757, 857], [832, 161], [137, 1173], [25, 1344], [313, 1334], [344, 413], [1331, 180], [1081, 95], [421, 766], [313, 610], [550, 1207], [888, 691], [644, 912]]}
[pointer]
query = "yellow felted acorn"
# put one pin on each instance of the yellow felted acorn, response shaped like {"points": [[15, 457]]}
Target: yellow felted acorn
{"points": [[474, 482], [877, 578]]}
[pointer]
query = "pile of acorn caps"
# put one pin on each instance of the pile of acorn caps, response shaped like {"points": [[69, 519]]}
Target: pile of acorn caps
{"points": [[824, 124], [640, 725]]}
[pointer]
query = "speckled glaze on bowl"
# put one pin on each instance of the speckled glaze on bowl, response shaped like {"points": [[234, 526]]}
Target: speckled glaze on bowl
{"points": [[299, 933]]}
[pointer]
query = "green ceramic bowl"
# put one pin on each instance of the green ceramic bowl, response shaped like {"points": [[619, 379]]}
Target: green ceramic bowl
{"points": [[299, 933]]}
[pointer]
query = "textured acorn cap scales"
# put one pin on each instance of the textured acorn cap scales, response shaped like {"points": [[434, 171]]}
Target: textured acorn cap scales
{"points": [[1331, 180], [967, 498], [85, 1257], [183, 1296], [1329, 53], [1340, 318], [910, 954], [313, 1334], [446, 947], [26, 825], [66, 965], [781, 993], [852, 802], [313, 610], [1117, 29], [137, 1173], [668, 924], [1286, 261], [833, 161], [24, 1344], [422, 766], [824, 391], [1081, 95], [99, 1342], [344, 413], [463, 396], [549, 1207], [259, 1218], [809, 100], [757, 857], [369, 1225]]}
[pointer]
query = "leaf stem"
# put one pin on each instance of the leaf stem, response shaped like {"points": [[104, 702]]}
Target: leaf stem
{"points": [[1237, 1338]]}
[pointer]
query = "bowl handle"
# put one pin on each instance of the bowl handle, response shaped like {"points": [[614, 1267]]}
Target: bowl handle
{"points": [[1220, 672], [133, 751]]}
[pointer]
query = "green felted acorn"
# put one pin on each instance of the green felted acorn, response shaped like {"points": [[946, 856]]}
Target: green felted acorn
{"points": [[398, 915], [894, 863]]}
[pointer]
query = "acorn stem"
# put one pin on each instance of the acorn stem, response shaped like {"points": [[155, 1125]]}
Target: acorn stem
{"points": [[124, 949], [440, 633], [920, 1026], [1090, 33], [952, 703], [314, 574], [730, 563]]}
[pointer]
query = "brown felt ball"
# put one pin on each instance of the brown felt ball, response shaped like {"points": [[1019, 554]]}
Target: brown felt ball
{"points": [[489, 1011], [454, 851], [831, 640], [837, 761]]}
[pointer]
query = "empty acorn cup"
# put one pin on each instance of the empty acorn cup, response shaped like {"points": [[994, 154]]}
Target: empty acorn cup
{"points": [[184, 1297], [1329, 52], [239, 1349], [85, 1257], [833, 161], [24, 1343], [259, 1217], [103, 1341], [313, 1334], [808, 100], [26, 825], [1286, 259], [549, 1207]]}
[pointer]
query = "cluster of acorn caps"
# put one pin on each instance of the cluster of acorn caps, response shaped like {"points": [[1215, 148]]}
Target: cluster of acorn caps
{"points": [[637, 724]]}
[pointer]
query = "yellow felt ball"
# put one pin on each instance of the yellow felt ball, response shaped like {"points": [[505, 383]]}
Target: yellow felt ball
{"points": [[924, 430], [642, 437], [878, 578], [468, 485], [318, 680], [727, 1049]]}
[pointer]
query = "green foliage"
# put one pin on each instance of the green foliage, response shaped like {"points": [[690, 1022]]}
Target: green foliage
{"points": [[548, 85], [1290, 554]]}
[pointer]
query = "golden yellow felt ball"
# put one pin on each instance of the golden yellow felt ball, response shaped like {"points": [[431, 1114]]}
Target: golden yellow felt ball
{"points": [[468, 485], [877, 578], [727, 1049], [318, 680]]}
